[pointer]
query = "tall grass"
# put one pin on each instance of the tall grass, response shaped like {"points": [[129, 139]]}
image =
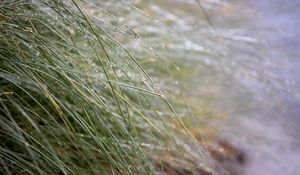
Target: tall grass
{"points": [[75, 100]]}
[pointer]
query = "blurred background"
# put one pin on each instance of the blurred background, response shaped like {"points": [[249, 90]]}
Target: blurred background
{"points": [[242, 61]]}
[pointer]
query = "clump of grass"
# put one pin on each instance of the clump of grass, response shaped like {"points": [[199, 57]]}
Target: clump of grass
{"points": [[74, 100]]}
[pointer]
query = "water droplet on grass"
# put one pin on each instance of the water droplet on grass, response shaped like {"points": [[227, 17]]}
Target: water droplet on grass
{"points": [[72, 31]]}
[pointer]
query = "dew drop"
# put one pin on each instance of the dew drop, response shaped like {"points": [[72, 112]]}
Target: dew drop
{"points": [[92, 12], [72, 31], [30, 30]]}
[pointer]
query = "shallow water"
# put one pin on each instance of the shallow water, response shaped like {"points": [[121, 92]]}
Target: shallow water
{"points": [[270, 129], [248, 66]]}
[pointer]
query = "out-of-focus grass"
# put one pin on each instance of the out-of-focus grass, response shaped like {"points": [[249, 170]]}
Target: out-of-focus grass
{"points": [[76, 100]]}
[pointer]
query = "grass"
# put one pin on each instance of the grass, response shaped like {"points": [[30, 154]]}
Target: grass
{"points": [[76, 100]]}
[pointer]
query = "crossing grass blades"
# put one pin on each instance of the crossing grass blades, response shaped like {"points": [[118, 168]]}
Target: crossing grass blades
{"points": [[75, 100]]}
